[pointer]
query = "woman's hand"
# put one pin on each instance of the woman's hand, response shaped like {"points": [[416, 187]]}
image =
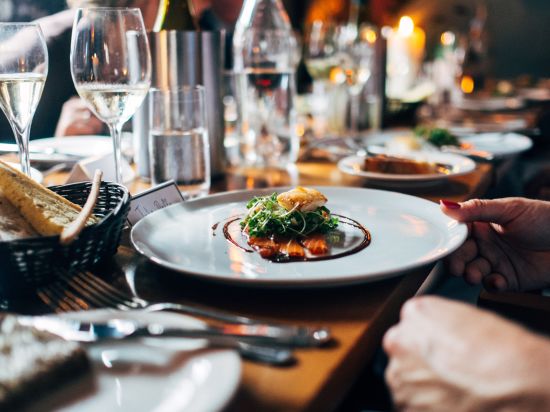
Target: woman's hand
{"points": [[76, 119], [508, 245], [448, 356]]}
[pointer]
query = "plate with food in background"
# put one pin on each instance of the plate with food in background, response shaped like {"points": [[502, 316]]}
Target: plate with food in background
{"points": [[303, 237], [479, 147], [407, 169]]}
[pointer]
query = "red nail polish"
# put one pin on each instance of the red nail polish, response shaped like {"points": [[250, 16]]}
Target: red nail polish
{"points": [[449, 204]]}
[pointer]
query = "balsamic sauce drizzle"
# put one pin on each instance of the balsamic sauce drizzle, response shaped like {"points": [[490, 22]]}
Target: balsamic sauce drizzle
{"points": [[277, 259]]}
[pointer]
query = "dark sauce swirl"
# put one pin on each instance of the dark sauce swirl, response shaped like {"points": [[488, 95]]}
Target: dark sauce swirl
{"points": [[365, 241]]}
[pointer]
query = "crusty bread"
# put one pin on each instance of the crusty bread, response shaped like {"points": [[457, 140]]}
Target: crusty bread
{"points": [[34, 363], [46, 211], [12, 225]]}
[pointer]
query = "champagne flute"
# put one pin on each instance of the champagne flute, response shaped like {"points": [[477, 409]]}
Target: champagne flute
{"points": [[23, 71], [111, 66]]}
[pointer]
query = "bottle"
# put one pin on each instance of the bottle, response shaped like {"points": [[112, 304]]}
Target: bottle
{"points": [[474, 69], [264, 67], [175, 15]]}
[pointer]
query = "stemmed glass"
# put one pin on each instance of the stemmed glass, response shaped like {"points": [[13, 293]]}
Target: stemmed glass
{"points": [[355, 49], [111, 66], [23, 71], [320, 52]]}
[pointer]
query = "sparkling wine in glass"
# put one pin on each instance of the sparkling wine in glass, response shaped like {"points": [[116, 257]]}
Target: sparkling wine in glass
{"points": [[111, 66], [23, 71]]}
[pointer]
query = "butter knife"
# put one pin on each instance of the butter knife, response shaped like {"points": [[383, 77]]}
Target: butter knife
{"points": [[118, 329]]}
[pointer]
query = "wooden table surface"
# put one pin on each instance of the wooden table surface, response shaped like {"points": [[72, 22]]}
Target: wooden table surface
{"points": [[357, 315]]}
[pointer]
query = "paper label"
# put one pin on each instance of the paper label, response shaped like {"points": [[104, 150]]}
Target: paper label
{"points": [[156, 198]]}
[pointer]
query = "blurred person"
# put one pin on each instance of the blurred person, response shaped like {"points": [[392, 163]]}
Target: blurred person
{"points": [[450, 356]]}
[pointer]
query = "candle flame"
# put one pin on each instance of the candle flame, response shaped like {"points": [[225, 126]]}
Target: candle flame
{"points": [[447, 38], [406, 26], [369, 35], [467, 84]]}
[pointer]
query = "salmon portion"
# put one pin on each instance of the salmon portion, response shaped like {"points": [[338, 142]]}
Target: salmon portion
{"points": [[291, 248], [265, 246], [316, 244]]}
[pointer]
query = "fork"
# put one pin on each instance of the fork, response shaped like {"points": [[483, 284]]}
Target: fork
{"points": [[62, 300], [98, 292]]}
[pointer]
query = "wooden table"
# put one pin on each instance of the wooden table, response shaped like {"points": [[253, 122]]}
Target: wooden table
{"points": [[357, 315]]}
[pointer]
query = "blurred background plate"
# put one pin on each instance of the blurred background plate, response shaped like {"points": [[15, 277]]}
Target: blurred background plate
{"points": [[82, 146], [499, 144]]}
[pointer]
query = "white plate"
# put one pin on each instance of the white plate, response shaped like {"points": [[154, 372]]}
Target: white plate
{"points": [[149, 374], [499, 144], [83, 146], [35, 174], [407, 232], [491, 104], [459, 165]]}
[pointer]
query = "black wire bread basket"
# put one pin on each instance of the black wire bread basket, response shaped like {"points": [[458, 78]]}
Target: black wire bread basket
{"points": [[26, 264]]}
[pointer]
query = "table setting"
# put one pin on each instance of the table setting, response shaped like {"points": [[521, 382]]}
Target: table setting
{"points": [[161, 270]]}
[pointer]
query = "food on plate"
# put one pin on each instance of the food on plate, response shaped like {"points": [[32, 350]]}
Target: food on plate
{"points": [[383, 163], [437, 136], [44, 210], [34, 362], [292, 224]]}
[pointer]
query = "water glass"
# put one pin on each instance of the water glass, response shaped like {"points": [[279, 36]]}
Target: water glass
{"points": [[178, 139]]}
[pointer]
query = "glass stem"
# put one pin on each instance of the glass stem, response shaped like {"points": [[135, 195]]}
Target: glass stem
{"points": [[354, 113], [116, 132], [22, 138]]}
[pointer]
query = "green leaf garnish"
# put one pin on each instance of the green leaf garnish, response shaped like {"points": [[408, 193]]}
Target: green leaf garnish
{"points": [[266, 217]]}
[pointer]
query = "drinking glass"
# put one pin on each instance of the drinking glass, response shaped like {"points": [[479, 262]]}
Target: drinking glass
{"points": [[23, 71], [111, 66], [355, 51], [320, 51], [178, 141]]}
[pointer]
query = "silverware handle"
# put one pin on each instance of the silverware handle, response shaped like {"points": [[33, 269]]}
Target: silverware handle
{"points": [[256, 334], [316, 335], [197, 311]]}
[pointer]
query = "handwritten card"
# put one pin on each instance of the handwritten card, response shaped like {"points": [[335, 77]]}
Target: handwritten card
{"points": [[156, 198]]}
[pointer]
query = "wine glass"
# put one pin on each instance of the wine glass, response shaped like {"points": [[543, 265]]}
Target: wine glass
{"points": [[111, 66], [355, 50], [23, 71], [320, 52]]}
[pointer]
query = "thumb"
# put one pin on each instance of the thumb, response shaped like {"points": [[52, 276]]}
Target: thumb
{"points": [[499, 211]]}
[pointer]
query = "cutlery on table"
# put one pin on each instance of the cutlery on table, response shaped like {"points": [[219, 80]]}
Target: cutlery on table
{"points": [[118, 329], [89, 291], [85, 291]]}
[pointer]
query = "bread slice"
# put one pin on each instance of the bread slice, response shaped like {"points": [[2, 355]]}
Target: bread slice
{"points": [[46, 211]]}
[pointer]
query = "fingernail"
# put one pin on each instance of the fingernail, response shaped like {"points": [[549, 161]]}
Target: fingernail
{"points": [[449, 204]]}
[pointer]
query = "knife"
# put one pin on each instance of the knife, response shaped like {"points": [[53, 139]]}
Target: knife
{"points": [[119, 329]]}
